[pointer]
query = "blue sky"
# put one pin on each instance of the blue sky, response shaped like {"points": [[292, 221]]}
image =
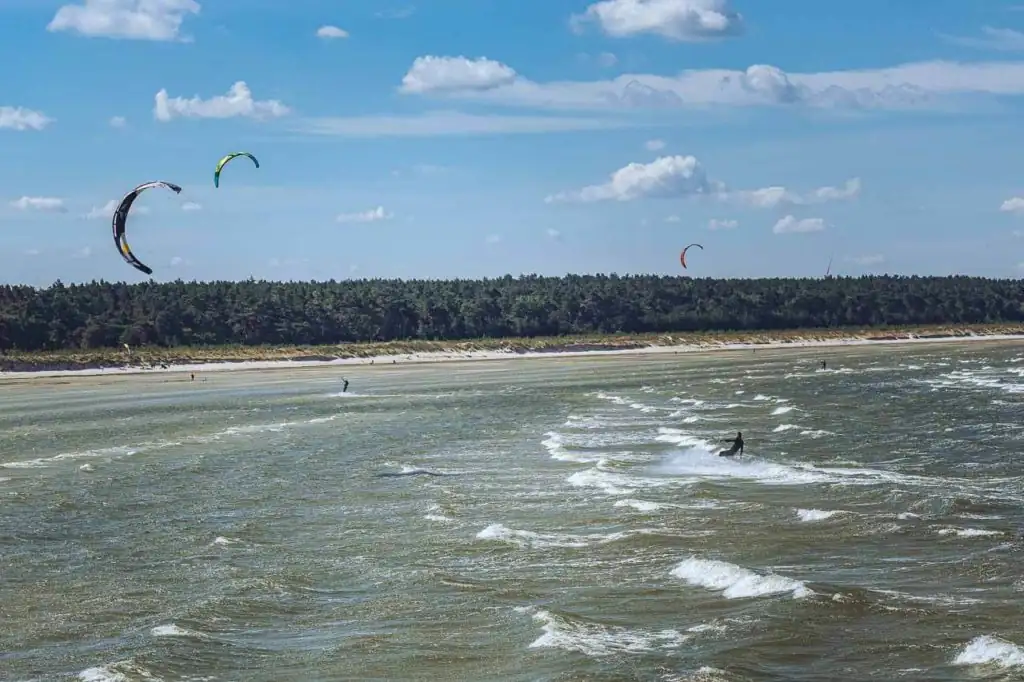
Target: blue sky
{"points": [[470, 138]]}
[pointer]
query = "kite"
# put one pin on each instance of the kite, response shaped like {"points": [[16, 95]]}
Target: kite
{"points": [[121, 217], [682, 256], [224, 161]]}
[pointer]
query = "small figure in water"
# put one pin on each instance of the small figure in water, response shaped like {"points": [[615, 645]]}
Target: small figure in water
{"points": [[737, 445], [824, 365], [193, 375], [345, 387]]}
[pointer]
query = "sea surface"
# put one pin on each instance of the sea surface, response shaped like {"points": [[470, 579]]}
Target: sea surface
{"points": [[561, 519]]}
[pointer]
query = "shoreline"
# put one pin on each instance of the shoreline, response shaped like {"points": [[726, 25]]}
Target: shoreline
{"points": [[189, 360]]}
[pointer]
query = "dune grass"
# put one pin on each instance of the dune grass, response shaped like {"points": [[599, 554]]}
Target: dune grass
{"points": [[156, 356]]}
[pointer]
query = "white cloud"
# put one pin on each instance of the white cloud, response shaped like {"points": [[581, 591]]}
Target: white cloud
{"points": [[1013, 205], [20, 118], [107, 210], [607, 59], [331, 32], [682, 20], [493, 238], [370, 216], [684, 176], [870, 259], [177, 260], [32, 252], [666, 176], [118, 122], [910, 85], [790, 225], [50, 204], [436, 123], [191, 206], [1002, 39], [654, 145], [441, 74], [727, 224], [554, 234], [84, 253], [238, 102], [673, 219], [131, 19], [774, 197]]}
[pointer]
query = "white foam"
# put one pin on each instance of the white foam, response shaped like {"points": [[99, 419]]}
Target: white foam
{"points": [[640, 505], [811, 515], [434, 513], [968, 532], [528, 539], [172, 630], [591, 639], [785, 427], [736, 582], [782, 410], [991, 650]]}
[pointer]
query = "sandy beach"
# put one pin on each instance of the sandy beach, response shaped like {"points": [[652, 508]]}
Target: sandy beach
{"points": [[707, 344]]}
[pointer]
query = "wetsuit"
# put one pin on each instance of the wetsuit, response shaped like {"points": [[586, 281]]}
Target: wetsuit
{"points": [[345, 387], [737, 446]]}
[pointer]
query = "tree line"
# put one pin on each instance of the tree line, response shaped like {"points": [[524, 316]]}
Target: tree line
{"points": [[110, 314]]}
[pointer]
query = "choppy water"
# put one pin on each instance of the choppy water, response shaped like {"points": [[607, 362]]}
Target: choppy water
{"points": [[262, 526]]}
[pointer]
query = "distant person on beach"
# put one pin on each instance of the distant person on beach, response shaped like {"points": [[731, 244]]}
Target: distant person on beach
{"points": [[344, 388], [737, 445], [192, 374]]}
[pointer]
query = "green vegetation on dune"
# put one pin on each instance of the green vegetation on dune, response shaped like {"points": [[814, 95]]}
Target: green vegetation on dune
{"points": [[88, 325]]}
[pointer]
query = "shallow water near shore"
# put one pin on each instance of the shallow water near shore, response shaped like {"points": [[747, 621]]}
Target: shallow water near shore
{"points": [[523, 519]]}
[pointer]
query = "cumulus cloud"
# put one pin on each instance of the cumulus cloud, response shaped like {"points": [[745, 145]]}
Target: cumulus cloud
{"points": [[654, 145], [129, 19], [1002, 39], [330, 32], [666, 176], [680, 20], [1013, 205], [107, 210], [371, 216], [454, 74], [554, 234], [904, 86], [870, 259], [727, 224], [20, 118], [191, 206], [791, 225], [238, 102], [774, 197], [493, 238], [48, 204], [684, 176], [118, 122]]}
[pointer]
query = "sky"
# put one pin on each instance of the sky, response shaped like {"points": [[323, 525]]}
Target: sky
{"points": [[478, 138]]}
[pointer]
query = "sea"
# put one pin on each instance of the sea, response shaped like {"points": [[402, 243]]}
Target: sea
{"points": [[523, 519]]}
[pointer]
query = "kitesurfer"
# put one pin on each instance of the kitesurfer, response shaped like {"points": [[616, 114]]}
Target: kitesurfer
{"points": [[344, 388], [737, 445], [824, 365]]}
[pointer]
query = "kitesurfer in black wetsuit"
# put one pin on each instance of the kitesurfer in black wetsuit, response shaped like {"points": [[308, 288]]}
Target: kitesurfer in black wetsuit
{"points": [[344, 388], [737, 445]]}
